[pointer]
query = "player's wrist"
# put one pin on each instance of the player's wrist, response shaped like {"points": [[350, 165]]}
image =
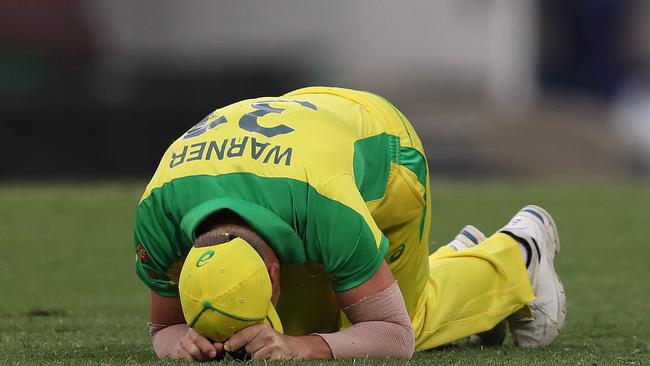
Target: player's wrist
{"points": [[312, 347]]}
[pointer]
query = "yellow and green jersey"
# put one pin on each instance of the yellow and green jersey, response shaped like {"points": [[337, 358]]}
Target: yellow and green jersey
{"points": [[305, 170]]}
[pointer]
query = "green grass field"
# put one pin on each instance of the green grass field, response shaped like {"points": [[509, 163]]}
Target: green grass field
{"points": [[69, 295]]}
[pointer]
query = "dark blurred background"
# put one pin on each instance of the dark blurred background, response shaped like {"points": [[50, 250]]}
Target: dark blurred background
{"points": [[551, 89]]}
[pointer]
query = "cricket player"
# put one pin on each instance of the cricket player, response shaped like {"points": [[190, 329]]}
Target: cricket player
{"points": [[297, 227]]}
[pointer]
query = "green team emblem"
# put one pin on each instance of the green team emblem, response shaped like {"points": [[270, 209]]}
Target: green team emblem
{"points": [[397, 253], [204, 258]]}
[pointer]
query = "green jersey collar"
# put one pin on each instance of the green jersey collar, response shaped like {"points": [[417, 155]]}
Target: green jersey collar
{"points": [[279, 235]]}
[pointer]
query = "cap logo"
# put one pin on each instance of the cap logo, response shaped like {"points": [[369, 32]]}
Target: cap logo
{"points": [[204, 258]]}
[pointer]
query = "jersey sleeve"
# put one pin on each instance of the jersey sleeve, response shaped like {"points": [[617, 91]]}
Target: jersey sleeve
{"points": [[157, 259], [350, 242]]}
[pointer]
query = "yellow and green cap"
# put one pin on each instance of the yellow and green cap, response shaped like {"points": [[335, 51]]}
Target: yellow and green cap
{"points": [[225, 288]]}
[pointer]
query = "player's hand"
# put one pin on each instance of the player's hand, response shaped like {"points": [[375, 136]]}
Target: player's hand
{"points": [[195, 347], [265, 343]]}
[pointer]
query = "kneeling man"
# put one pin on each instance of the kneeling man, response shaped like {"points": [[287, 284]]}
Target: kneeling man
{"points": [[296, 227]]}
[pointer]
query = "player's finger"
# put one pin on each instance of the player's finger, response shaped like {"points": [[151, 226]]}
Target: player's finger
{"points": [[264, 338], [181, 354], [242, 338], [255, 345], [269, 352], [206, 347], [264, 345], [276, 356], [265, 353], [220, 351], [218, 347], [194, 351]]}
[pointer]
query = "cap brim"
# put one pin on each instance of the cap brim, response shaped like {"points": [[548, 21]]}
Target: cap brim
{"points": [[273, 319]]}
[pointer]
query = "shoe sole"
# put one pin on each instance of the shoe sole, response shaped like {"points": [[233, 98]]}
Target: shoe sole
{"points": [[555, 239]]}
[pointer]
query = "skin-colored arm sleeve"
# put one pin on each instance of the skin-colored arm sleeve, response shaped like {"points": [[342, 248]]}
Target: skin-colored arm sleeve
{"points": [[381, 328], [165, 338]]}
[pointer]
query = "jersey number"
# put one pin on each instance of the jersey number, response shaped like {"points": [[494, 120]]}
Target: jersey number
{"points": [[249, 121]]}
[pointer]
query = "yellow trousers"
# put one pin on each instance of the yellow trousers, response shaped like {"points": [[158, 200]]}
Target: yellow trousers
{"points": [[448, 294], [470, 291]]}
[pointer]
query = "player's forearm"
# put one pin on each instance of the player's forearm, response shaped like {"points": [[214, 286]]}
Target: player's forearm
{"points": [[381, 328], [166, 338], [374, 339]]}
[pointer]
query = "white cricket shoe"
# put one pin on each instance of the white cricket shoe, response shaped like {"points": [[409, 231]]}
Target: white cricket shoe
{"points": [[468, 237], [534, 225]]}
